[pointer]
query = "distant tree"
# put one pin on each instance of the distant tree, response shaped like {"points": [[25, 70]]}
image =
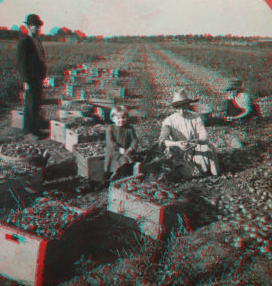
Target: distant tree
{"points": [[23, 30], [4, 33], [80, 34], [14, 35]]}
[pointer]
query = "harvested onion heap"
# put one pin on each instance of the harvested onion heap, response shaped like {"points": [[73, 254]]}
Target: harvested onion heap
{"points": [[95, 130], [11, 170], [251, 224], [20, 150], [76, 122], [48, 219], [91, 148], [147, 189], [75, 106]]}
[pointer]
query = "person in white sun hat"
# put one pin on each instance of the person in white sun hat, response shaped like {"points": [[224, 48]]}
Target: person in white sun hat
{"points": [[184, 129]]}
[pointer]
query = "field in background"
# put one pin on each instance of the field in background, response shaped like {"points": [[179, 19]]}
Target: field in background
{"points": [[211, 254], [252, 65]]}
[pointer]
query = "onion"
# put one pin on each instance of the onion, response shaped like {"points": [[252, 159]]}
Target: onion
{"points": [[265, 249]]}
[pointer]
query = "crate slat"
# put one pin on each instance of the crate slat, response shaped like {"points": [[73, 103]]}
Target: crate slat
{"points": [[35, 260], [72, 138], [154, 220], [17, 119], [90, 167], [57, 131]]}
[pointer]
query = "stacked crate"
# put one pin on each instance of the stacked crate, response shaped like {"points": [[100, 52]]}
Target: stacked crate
{"points": [[32, 258], [17, 119], [58, 128], [115, 73], [86, 134], [89, 158], [76, 91], [154, 219], [86, 66], [87, 79], [74, 72], [49, 82]]}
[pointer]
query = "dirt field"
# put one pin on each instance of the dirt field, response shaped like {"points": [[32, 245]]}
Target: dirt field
{"points": [[226, 239]]}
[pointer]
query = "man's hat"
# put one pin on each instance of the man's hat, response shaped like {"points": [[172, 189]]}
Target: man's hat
{"points": [[33, 19], [180, 98], [235, 84]]}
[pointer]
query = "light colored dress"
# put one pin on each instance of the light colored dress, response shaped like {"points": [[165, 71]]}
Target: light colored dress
{"points": [[185, 128]]}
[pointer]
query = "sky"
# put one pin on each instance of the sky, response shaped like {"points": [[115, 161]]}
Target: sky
{"points": [[145, 17]]}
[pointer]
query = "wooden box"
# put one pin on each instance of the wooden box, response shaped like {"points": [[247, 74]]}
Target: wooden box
{"points": [[67, 102], [74, 72], [154, 220], [17, 119], [48, 82], [87, 79], [72, 138], [35, 260], [90, 167], [67, 114], [57, 131], [73, 90], [22, 255]]}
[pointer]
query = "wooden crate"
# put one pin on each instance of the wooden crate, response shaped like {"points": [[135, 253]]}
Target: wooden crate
{"points": [[109, 101], [22, 255], [35, 260], [65, 102], [57, 131], [73, 90], [63, 114], [154, 220], [48, 82], [90, 167], [87, 79], [74, 72], [72, 138], [17, 119]]}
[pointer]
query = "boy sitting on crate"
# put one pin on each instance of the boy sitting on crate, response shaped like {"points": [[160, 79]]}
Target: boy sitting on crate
{"points": [[121, 143]]}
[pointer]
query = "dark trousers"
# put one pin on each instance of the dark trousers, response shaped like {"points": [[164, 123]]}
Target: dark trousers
{"points": [[231, 109], [32, 107]]}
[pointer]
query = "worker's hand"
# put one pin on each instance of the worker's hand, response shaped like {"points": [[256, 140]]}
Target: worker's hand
{"points": [[182, 144], [122, 150], [26, 86]]}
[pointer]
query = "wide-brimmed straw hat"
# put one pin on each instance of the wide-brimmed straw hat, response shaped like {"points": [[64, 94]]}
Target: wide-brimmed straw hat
{"points": [[235, 84], [33, 19], [180, 98]]}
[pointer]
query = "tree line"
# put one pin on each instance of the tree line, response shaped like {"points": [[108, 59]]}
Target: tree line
{"points": [[58, 33]]}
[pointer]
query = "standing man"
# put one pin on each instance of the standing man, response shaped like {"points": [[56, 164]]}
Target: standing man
{"points": [[31, 66]]}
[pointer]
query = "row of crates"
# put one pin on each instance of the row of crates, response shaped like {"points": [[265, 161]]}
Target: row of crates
{"points": [[73, 90]]}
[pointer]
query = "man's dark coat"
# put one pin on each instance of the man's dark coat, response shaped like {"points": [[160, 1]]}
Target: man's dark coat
{"points": [[31, 67]]}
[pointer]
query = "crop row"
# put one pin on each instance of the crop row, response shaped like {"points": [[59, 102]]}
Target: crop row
{"points": [[253, 67], [59, 58]]}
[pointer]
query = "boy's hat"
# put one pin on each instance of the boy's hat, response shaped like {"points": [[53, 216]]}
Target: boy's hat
{"points": [[33, 19]]}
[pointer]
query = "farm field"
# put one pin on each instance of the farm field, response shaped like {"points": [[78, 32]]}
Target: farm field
{"points": [[224, 237]]}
